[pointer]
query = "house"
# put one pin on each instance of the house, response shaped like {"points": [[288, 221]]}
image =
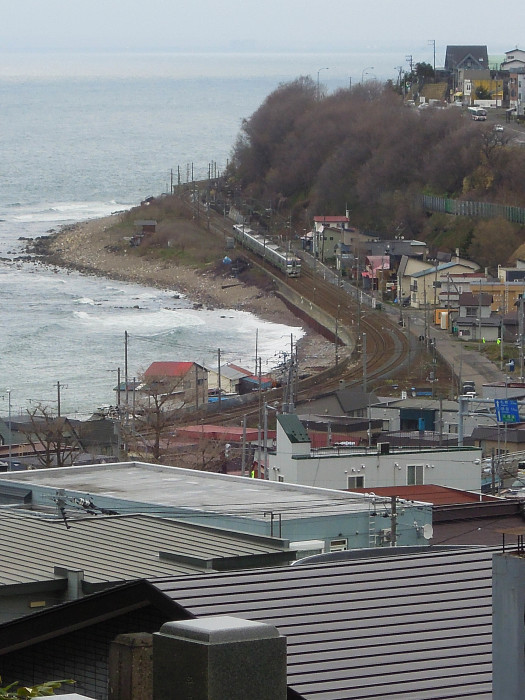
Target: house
{"points": [[50, 560], [452, 285], [425, 284], [328, 234], [341, 402], [230, 378], [514, 59], [459, 58], [295, 461], [313, 519], [376, 272], [497, 439], [419, 415], [512, 274], [475, 320], [408, 265], [411, 624], [185, 382]]}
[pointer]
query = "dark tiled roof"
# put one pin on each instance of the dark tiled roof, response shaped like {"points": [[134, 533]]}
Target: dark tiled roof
{"points": [[473, 299], [456, 55]]}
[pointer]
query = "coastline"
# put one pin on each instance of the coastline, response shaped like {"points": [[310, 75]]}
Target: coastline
{"points": [[88, 247]]}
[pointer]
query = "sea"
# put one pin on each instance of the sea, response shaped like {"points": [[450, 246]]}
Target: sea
{"points": [[85, 135]]}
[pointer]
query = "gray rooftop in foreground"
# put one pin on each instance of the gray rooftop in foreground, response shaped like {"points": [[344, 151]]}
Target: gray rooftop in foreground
{"points": [[171, 487], [123, 548]]}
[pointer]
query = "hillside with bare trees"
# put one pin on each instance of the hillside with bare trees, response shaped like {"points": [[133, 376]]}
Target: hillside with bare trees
{"points": [[363, 150]]}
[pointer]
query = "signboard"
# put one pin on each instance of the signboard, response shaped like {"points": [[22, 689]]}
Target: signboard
{"points": [[507, 411]]}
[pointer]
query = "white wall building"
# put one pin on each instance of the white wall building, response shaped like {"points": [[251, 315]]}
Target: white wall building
{"points": [[338, 468]]}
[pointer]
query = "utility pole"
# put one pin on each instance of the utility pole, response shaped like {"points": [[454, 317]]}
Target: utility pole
{"points": [[58, 399], [364, 362], [336, 338], [479, 318], [259, 427], [219, 375], [126, 388], [9, 426], [520, 335], [393, 521], [243, 462], [432, 42]]}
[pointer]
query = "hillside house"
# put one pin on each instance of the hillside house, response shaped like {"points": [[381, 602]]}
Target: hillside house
{"points": [[426, 284], [328, 234], [475, 320]]}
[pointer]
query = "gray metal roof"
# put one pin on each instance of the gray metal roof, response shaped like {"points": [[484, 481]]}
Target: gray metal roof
{"points": [[159, 487], [121, 548], [410, 626]]}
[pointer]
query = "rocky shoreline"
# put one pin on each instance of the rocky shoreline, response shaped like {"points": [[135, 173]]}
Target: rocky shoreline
{"points": [[90, 248]]}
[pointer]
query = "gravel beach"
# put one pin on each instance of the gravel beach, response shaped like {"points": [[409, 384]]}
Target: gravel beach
{"points": [[89, 247]]}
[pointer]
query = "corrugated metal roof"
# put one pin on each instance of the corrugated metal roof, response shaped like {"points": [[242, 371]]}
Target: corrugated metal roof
{"points": [[409, 626], [117, 548]]}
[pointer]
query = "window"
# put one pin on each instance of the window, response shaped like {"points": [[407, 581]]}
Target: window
{"points": [[355, 482], [414, 474], [280, 478], [338, 545]]}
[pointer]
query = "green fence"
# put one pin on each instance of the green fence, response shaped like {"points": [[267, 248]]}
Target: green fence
{"points": [[485, 210]]}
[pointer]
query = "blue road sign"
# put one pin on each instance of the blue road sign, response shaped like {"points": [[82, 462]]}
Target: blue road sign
{"points": [[507, 410]]}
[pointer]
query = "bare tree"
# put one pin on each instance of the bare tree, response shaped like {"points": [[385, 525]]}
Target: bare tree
{"points": [[158, 401], [53, 439]]}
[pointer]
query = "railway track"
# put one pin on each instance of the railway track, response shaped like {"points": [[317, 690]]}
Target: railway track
{"points": [[387, 346]]}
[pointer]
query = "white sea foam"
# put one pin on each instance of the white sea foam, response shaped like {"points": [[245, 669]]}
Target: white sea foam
{"points": [[70, 328]]}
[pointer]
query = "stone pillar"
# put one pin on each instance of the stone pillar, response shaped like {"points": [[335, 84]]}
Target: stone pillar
{"points": [[215, 658], [508, 627], [131, 667]]}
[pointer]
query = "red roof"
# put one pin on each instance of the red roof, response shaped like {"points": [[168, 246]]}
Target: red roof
{"points": [[428, 493], [331, 219], [168, 369], [227, 433]]}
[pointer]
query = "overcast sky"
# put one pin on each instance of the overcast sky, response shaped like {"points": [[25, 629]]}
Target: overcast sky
{"points": [[274, 25]]}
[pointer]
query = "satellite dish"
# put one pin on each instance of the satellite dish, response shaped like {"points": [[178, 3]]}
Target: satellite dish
{"points": [[428, 531]]}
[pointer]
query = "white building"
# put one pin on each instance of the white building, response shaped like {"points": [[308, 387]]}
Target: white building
{"points": [[296, 462]]}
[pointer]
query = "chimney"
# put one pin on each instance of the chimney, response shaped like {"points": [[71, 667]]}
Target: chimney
{"points": [[214, 658], [508, 628]]}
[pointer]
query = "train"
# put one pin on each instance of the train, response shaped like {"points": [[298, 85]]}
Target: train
{"points": [[261, 245]]}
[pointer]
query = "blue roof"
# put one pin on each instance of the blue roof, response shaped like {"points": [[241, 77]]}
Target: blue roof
{"points": [[433, 270]]}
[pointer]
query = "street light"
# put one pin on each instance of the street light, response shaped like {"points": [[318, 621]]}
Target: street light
{"points": [[318, 92], [364, 71]]}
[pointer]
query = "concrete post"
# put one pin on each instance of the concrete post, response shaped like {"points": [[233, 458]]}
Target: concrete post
{"points": [[508, 635], [131, 667], [219, 657]]}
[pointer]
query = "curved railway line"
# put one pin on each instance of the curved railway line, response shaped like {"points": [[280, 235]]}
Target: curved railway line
{"points": [[387, 346]]}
